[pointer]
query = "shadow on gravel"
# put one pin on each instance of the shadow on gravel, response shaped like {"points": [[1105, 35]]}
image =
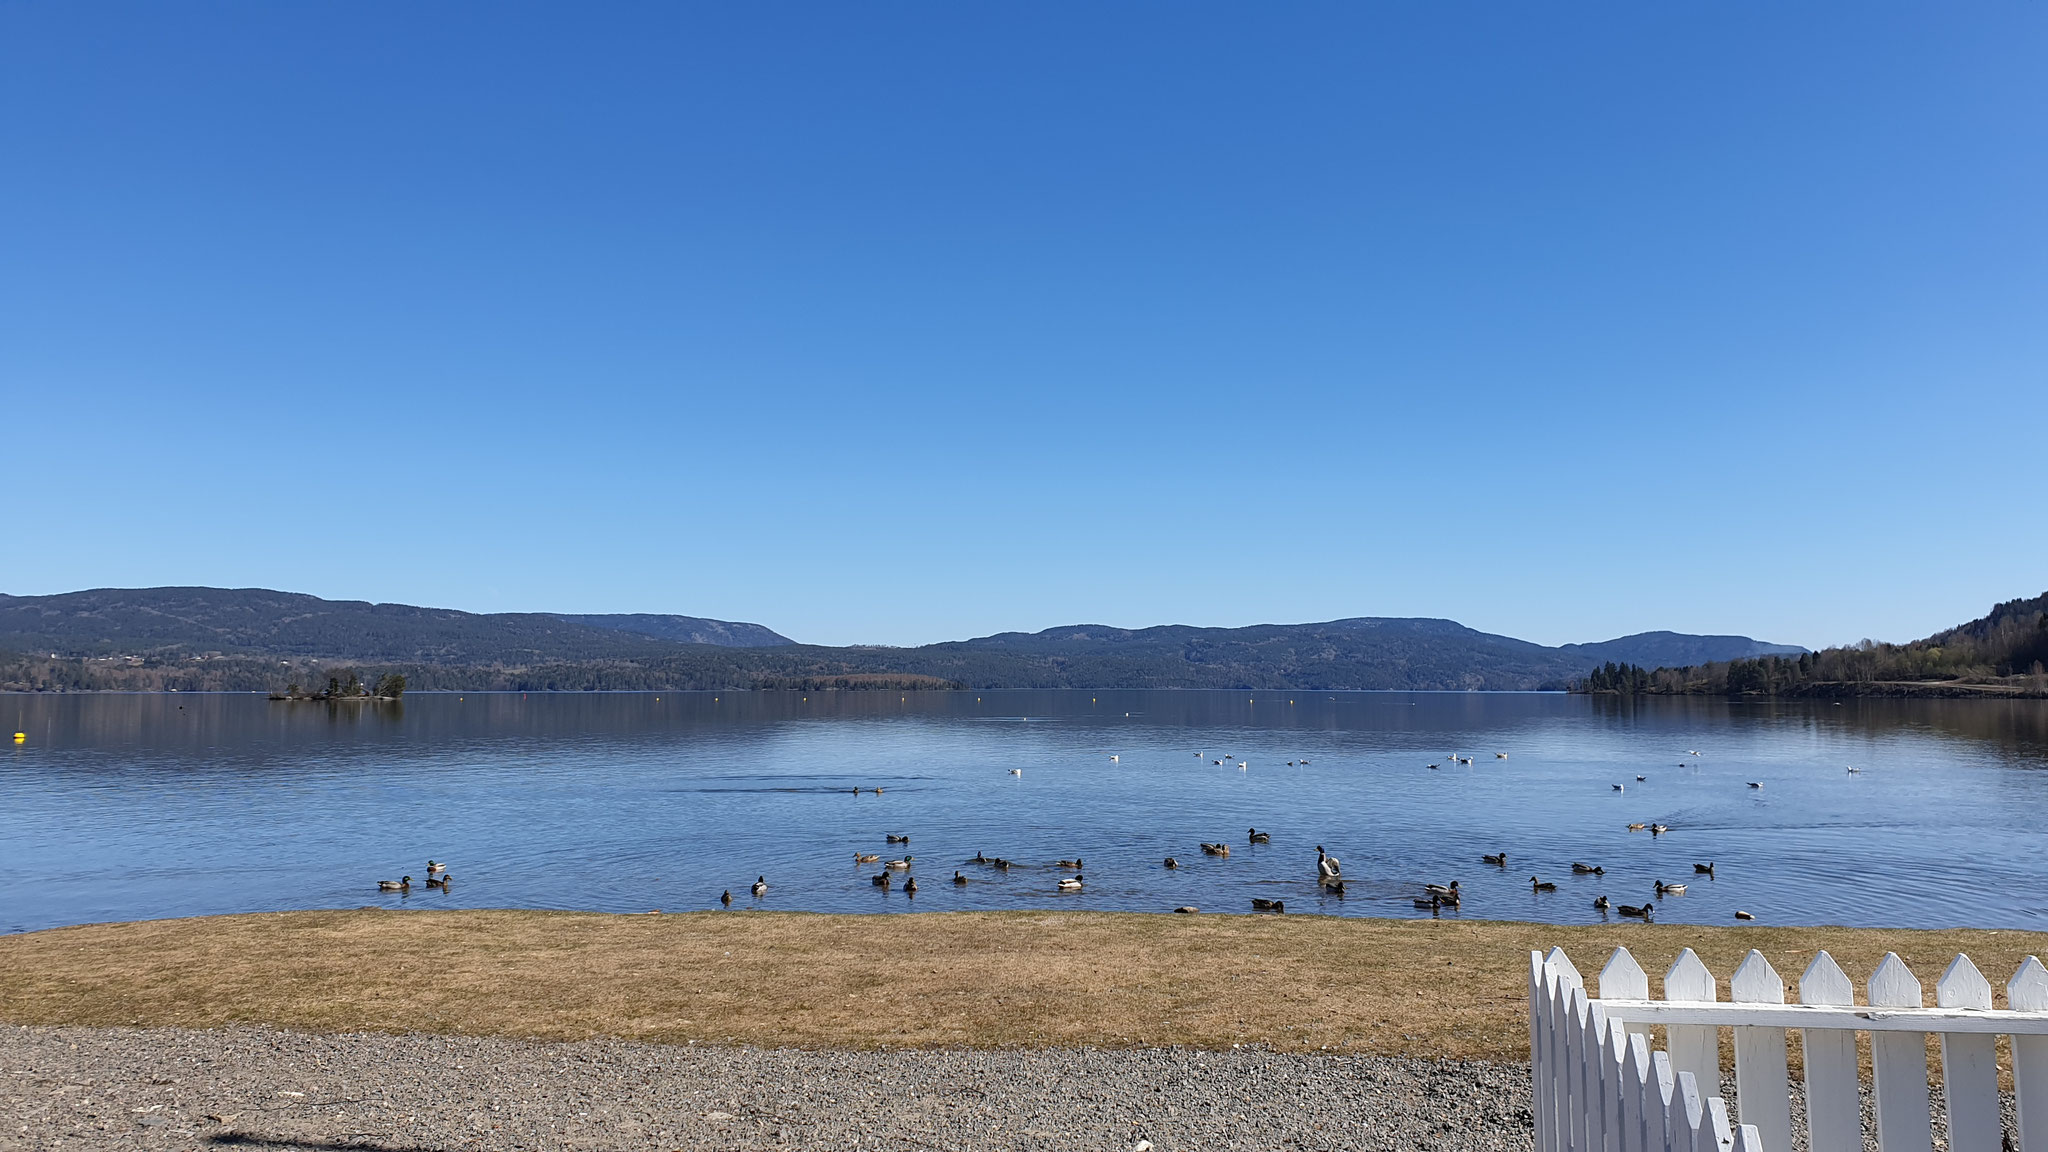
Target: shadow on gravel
{"points": [[249, 1140]]}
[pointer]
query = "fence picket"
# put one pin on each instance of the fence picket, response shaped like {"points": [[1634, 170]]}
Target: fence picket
{"points": [[1898, 1062], [1747, 1140], [1834, 1107], [1762, 1086], [1624, 979], [1688, 1113], [1540, 1070], [1564, 981], [1575, 1061], [1969, 1064], [1635, 1091], [1694, 1048], [1657, 1126], [1717, 1124], [2027, 991], [1602, 1087]]}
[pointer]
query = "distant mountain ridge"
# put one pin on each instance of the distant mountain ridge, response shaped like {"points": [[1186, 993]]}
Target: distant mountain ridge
{"points": [[236, 638]]}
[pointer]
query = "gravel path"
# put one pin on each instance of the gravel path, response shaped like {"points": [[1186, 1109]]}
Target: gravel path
{"points": [[263, 1088]]}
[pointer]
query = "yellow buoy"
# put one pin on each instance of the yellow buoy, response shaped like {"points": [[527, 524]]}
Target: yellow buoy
{"points": [[21, 737]]}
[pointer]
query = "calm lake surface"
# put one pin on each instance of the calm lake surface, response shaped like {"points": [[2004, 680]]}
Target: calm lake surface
{"points": [[131, 807]]}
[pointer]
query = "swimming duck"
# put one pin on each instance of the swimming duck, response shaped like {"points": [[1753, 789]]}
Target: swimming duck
{"points": [[1587, 869], [1741, 915], [1432, 903], [1659, 829], [1706, 869], [1498, 860], [726, 899], [958, 878], [1187, 909], [910, 886], [1000, 864], [1259, 905], [760, 886], [1662, 888], [1637, 827], [1640, 779], [1617, 787], [1258, 837], [1070, 884], [1500, 755], [1632, 910], [1541, 885], [866, 857], [978, 859], [1172, 863], [900, 865], [441, 883], [1600, 902], [1334, 887], [1075, 863], [1327, 866], [1443, 891], [880, 880], [1216, 849], [434, 866], [1756, 783], [1016, 771], [404, 885], [895, 839]]}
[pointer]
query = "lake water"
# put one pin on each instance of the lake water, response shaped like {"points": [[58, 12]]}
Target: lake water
{"points": [[132, 807]]}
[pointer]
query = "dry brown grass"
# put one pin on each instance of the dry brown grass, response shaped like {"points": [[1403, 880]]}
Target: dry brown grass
{"points": [[927, 980]]}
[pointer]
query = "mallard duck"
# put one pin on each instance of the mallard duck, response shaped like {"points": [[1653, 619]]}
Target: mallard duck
{"points": [[1258, 837], [895, 839], [1674, 889], [760, 885], [1756, 783], [1617, 787], [441, 882], [1261, 905], [726, 898], [1216, 849], [1706, 869], [1172, 863], [403, 885], [1659, 829], [1632, 910], [1000, 864], [1500, 755], [1431, 903], [866, 857], [1327, 866], [900, 865], [1187, 909], [1016, 771], [880, 880], [1741, 915], [1498, 860], [958, 878], [1588, 869], [1445, 891], [910, 886], [434, 866], [1637, 827], [1541, 885], [978, 859], [1600, 902], [1334, 887], [1075, 863], [1641, 778], [1070, 883]]}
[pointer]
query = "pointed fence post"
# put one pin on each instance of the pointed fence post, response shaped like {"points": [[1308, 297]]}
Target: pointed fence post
{"points": [[1540, 1070], [1969, 1064], [1658, 1127], [1695, 1048], [1834, 1106], [1624, 979], [1564, 980], [1688, 1116], [1635, 1093], [1898, 1062], [2027, 991], [1762, 1086]]}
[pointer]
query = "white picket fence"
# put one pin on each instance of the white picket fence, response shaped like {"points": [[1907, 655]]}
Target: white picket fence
{"points": [[1600, 1088]]}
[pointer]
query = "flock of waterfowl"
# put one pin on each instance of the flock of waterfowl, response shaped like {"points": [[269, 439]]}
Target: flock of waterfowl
{"points": [[437, 877]]}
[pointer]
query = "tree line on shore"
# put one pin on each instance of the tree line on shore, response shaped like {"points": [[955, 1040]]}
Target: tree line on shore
{"points": [[2004, 652]]}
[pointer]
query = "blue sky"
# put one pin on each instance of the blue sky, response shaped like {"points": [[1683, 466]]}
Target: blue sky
{"points": [[900, 322]]}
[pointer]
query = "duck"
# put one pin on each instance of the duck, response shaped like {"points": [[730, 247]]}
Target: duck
{"points": [[1187, 909], [1541, 885], [434, 866], [1075, 864], [1000, 864], [978, 859], [1706, 869], [1600, 902], [1258, 837], [880, 880], [1113, 760], [1216, 849], [1741, 915], [1498, 859], [441, 882], [1070, 883], [1640, 778], [910, 886], [895, 839], [1432, 767], [1328, 867], [1616, 787], [1432, 903], [1172, 863], [1588, 869], [1637, 827], [1016, 771], [958, 878], [866, 857], [1442, 891], [1674, 889], [1659, 829], [1260, 904], [1632, 910], [1334, 887], [1500, 755], [1854, 770], [760, 885], [900, 865], [1756, 783], [726, 898], [402, 885]]}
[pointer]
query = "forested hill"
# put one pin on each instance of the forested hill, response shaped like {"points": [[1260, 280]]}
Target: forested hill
{"points": [[183, 623], [2004, 652], [208, 638]]}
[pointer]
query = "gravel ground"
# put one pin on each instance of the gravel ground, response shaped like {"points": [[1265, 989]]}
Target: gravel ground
{"points": [[261, 1088]]}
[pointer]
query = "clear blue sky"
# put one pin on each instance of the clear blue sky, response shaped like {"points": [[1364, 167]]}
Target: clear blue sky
{"points": [[902, 322]]}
